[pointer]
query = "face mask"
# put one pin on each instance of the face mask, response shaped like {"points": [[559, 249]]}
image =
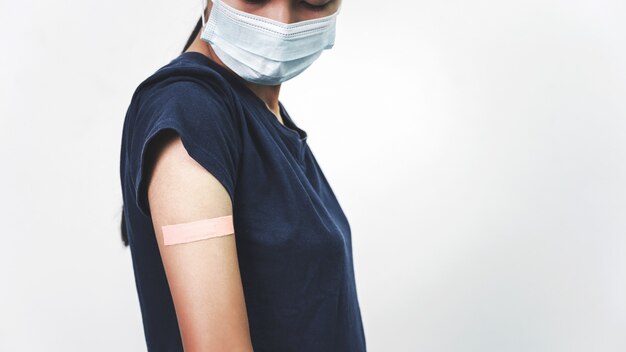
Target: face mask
{"points": [[262, 50]]}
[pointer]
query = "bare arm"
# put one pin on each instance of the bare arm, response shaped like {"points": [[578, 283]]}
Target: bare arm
{"points": [[204, 275]]}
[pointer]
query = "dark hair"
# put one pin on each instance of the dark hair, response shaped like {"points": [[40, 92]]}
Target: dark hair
{"points": [[193, 35]]}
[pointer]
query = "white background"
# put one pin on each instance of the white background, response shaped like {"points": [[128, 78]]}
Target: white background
{"points": [[478, 149]]}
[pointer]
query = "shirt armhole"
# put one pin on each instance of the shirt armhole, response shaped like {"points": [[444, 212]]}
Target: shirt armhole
{"points": [[210, 161]]}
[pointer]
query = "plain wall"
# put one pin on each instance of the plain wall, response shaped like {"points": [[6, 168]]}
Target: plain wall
{"points": [[478, 149]]}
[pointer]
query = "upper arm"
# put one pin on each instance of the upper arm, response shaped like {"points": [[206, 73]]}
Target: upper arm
{"points": [[204, 275]]}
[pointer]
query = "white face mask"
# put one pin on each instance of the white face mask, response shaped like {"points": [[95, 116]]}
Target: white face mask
{"points": [[262, 50]]}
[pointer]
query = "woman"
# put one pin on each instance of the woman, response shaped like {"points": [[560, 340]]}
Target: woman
{"points": [[207, 141]]}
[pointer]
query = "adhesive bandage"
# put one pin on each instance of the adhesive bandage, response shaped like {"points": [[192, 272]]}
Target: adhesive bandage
{"points": [[197, 230]]}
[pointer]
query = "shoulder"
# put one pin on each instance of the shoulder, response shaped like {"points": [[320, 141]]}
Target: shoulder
{"points": [[185, 73], [185, 79], [186, 86], [187, 94], [192, 101]]}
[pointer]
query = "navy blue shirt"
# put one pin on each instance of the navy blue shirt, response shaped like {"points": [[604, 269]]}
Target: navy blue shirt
{"points": [[293, 240]]}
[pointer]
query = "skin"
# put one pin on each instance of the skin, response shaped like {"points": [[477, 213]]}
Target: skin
{"points": [[204, 276]]}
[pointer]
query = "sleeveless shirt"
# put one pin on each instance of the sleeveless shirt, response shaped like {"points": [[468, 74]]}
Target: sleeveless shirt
{"points": [[293, 239]]}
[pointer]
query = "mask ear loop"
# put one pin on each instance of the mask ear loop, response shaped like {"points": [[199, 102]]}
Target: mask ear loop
{"points": [[204, 3]]}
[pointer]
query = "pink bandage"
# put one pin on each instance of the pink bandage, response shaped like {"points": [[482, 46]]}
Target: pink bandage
{"points": [[198, 230]]}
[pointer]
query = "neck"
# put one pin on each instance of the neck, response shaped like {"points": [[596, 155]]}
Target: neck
{"points": [[268, 94]]}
